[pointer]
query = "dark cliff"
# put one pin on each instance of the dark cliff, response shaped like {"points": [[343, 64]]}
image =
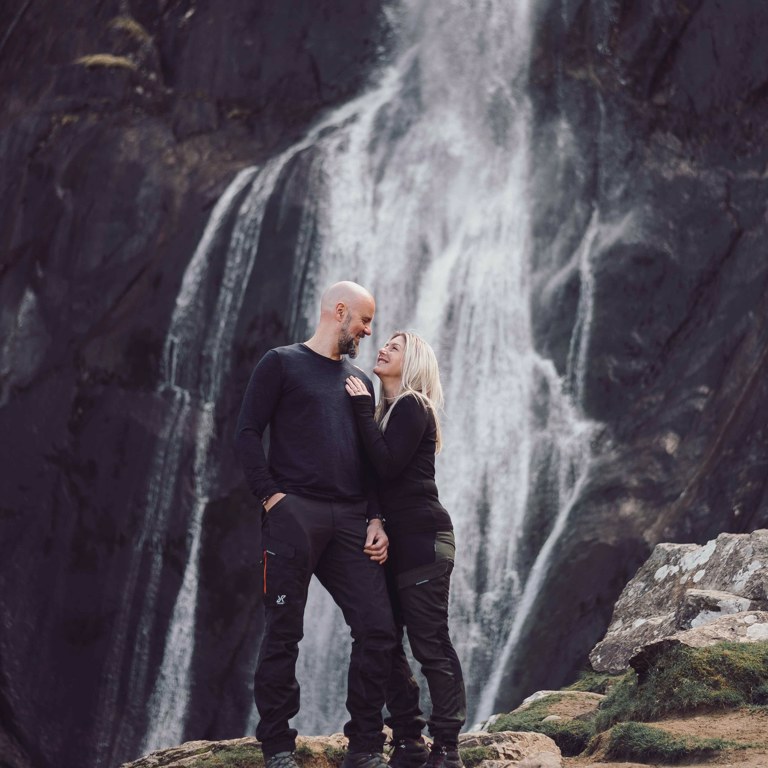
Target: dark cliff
{"points": [[651, 134], [122, 123]]}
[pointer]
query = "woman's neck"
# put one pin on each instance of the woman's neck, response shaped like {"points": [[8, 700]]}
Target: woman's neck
{"points": [[390, 389]]}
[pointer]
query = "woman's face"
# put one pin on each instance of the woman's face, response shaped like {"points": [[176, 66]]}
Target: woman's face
{"points": [[389, 361]]}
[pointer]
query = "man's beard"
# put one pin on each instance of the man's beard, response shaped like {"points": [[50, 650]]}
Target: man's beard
{"points": [[347, 342]]}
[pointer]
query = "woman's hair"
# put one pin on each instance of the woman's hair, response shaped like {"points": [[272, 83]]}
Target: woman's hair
{"points": [[420, 378]]}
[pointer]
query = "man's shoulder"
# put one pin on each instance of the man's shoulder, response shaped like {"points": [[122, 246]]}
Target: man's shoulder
{"points": [[289, 350], [277, 358], [356, 370]]}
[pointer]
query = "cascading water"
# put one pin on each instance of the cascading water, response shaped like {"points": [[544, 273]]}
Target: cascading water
{"points": [[425, 203], [176, 389], [421, 195]]}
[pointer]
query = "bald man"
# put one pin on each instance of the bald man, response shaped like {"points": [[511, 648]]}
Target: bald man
{"points": [[320, 517]]}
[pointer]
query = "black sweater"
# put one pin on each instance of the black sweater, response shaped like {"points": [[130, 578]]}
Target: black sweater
{"points": [[315, 448], [404, 459]]}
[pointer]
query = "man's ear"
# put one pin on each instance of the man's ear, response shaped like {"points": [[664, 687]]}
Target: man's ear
{"points": [[341, 310]]}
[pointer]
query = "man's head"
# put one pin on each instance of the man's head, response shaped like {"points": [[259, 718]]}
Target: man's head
{"points": [[346, 310]]}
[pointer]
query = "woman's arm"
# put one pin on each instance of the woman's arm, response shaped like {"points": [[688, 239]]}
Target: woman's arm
{"points": [[390, 451]]}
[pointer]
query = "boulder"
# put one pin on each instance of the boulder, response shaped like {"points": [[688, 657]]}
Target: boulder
{"points": [[510, 749], [696, 594], [315, 751], [541, 760], [566, 705], [743, 627]]}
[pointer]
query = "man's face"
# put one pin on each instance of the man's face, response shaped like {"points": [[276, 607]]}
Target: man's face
{"points": [[355, 326]]}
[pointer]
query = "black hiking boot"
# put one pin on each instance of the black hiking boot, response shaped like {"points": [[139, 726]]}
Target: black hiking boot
{"points": [[441, 756], [281, 760], [364, 760], [408, 753]]}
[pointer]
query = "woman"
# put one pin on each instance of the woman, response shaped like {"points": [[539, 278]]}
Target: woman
{"points": [[401, 440]]}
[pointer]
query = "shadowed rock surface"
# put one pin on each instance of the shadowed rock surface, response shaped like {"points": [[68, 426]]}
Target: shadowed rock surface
{"points": [[651, 146]]}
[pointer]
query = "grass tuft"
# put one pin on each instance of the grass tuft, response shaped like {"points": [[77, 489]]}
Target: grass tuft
{"points": [[686, 680], [595, 682], [472, 756], [131, 27], [635, 741], [334, 755], [106, 60], [572, 736], [679, 680], [225, 756]]}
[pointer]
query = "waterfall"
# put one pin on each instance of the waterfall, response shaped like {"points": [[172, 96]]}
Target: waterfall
{"points": [[425, 203], [177, 391], [421, 194], [195, 370]]}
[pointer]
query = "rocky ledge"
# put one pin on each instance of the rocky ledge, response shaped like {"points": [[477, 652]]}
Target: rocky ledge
{"points": [[681, 677], [489, 750]]}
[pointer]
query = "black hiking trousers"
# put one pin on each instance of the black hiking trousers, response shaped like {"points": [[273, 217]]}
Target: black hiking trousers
{"points": [[419, 598], [301, 537]]}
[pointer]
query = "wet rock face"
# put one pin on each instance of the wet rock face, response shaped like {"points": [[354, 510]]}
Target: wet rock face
{"points": [[122, 124], [647, 178], [685, 587]]}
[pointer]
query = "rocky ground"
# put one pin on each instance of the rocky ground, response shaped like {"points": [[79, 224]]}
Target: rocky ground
{"points": [[680, 678], [743, 727]]}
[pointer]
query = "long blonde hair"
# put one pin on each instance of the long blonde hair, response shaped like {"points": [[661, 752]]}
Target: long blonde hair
{"points": [[420, 378]]}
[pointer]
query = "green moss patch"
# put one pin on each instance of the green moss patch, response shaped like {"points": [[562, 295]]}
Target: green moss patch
{"points": [[334, 755], [595, 682], [635, 741], [678, 680], [130, 27], [472, 756], [684, 680], [232, 756], [572, 736]]}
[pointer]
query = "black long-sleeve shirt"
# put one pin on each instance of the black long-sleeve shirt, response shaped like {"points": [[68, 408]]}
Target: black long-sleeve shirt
{"points": [[315, 448], [404, 459]]}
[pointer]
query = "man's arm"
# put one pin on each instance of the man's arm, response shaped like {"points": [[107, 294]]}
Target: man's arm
{"points": [[261, 398]]}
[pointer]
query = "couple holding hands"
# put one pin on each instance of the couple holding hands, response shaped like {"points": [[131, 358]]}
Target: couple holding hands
{"points": [[348, 487]]}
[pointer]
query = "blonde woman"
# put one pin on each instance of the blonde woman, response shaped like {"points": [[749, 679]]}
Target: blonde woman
{"points": [[401, 440]]}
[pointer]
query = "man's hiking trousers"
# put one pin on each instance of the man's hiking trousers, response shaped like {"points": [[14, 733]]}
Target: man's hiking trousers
{"points": [[300, 537]]}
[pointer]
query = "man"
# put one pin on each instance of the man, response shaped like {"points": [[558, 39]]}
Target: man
{"points": [[318, 518]]}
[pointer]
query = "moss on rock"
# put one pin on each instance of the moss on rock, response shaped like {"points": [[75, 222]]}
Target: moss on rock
{"points": [[636, 741], [570, 735], [683, 680]]}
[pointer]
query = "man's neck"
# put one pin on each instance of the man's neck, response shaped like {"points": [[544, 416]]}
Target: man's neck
{"points": [[324, 346]]}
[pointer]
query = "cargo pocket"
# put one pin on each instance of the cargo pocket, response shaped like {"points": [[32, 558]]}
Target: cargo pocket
{"points": [[423, 574], [281, 572]]}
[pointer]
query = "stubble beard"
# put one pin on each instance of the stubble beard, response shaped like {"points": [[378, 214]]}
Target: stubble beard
{"points": [[347, 342]]}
